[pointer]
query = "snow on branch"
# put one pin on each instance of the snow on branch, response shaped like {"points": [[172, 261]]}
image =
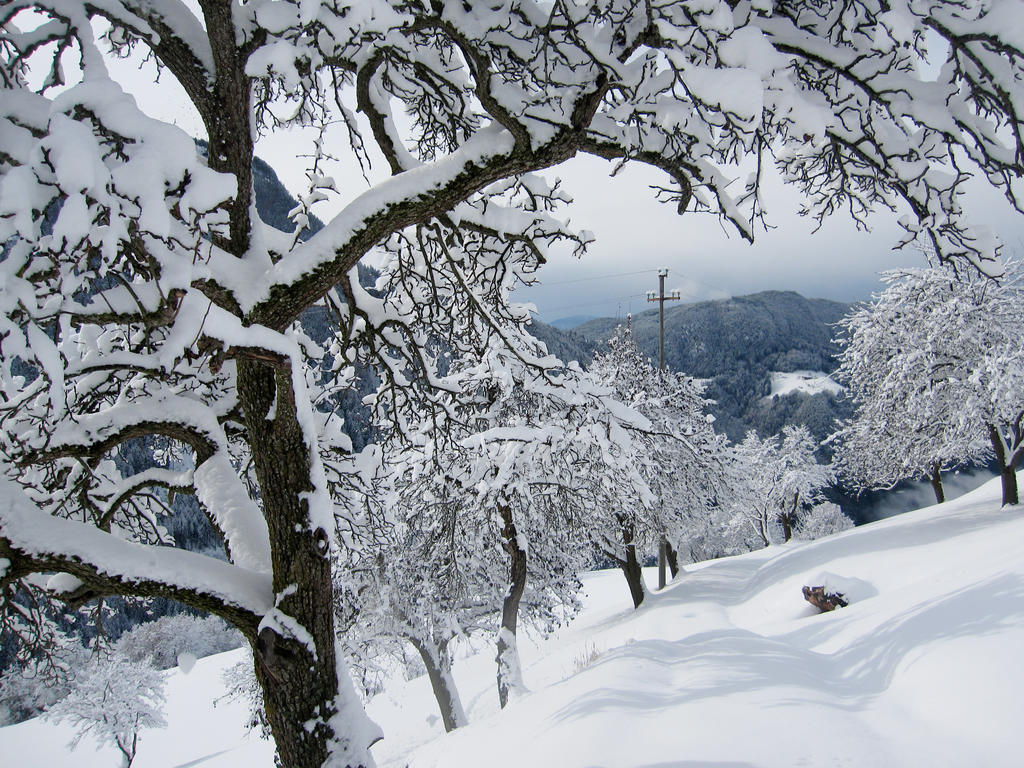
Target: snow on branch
{"points": [[104, 564]]}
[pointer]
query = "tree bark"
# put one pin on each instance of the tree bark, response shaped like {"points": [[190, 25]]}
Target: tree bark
{"points": [[299, 675], [935, 477], [787, 526], [673, 559], [438, 662], [227, 118], [631, 566], [787, 518], [1007, 466], [662, 561], [510, 675]]}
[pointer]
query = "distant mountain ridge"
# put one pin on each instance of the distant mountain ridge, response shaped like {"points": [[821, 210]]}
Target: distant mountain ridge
{"points": [[565, 323], [735, 344]]}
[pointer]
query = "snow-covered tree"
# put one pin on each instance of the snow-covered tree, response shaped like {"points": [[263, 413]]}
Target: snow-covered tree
{"points": [[680, 459], [719, 533], [159, 643], [493, 500], [142, 297], [907, 420], [112, 699], [821, 520], [783, 481], [423, 584], [934, 367]]}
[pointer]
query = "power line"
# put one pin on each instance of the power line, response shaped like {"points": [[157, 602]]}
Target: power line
{"points": [[598, 277], [542, 284], [597, 301], [619, 299]]}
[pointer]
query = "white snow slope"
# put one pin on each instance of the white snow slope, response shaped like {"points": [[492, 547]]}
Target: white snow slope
{"points": [[807, 382], [727, 668]]}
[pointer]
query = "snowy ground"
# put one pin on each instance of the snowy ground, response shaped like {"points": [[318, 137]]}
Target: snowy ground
{"points": [[808, 382], [727, 668]]}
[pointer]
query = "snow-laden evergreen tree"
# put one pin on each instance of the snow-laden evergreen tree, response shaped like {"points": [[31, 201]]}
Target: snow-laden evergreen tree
{"points": [[142, 296], [112, 699], [935, 368], [780, 480], [680, 458]]}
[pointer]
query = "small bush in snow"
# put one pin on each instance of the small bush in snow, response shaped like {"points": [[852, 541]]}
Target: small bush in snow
{"points": [[241, 684], [585, 658], [822, 520], [112, 700], [26, 690]]}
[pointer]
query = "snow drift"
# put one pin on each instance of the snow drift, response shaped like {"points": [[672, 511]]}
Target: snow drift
{"points": [[727, 667]]}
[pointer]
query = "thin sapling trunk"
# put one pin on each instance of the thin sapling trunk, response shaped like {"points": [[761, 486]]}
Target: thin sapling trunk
{"points": [[673, 559], [935, 478], [438, 662], [1008, 458], [510, 674]]}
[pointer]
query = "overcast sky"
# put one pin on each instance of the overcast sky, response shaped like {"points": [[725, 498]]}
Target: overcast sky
{"points": [[636, 235]]}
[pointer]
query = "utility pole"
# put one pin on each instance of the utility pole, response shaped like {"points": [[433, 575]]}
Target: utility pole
{"points": [[661, 298]]}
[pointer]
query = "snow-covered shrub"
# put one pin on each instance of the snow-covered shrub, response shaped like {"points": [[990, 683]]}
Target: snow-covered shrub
{"points": [[24, 693], [112, 700], [822, 520], [585, 658], [240, 681], [162, 640], [28, 689]]}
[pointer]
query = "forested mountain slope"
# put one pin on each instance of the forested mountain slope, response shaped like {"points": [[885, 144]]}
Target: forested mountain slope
{"points": [[735, 344]]}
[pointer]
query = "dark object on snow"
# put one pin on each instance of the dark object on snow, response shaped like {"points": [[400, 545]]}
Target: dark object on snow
{"points": [[824, 601]]}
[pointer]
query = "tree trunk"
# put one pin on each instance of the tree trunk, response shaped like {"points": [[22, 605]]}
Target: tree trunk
{"points": [[763, 519], [631, 566], [299, 671], [439, 671], [788, 518], [935, 477], [510, 674], [673, 559], [228, 120], [662, 561], [309, 701], [1007, 466], [787, 526], [1009, 478], [128, 750]]}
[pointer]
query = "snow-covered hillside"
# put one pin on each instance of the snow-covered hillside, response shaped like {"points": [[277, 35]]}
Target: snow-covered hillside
{"points": [[727, 667], [807, 382]]}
